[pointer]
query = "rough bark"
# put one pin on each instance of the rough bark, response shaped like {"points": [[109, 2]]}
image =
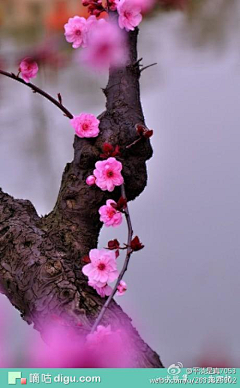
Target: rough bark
{"points": [[40, 258]]}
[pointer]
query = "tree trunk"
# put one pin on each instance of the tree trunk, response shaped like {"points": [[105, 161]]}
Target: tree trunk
{"points": [[40, 258]]}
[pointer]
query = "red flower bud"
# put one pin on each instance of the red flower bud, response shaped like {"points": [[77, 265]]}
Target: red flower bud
{"points": [[86, 259], [148, 133], [136, 244], [144, 131], [140, 129], [107, 147], [120, 205], [108, 151], [116, 152], [113, 244]]}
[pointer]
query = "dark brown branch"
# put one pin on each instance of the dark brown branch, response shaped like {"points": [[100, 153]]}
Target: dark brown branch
{"points": [[39, 91], [40, 258], [125, 266]]}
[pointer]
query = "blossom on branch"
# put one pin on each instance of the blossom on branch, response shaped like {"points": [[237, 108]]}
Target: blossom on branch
{"points": [[91, 180], [76, 31], [110, 216], [103, 267], [102, 291], [122, 288], [129, 14], [108, 174], [28, 68], [85, 125]]}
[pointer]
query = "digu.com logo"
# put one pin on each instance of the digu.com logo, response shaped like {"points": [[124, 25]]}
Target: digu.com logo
{"points": [[14, 376]]}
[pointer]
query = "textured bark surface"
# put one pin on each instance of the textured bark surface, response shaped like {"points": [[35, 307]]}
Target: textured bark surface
{"points": [[40, 258]]}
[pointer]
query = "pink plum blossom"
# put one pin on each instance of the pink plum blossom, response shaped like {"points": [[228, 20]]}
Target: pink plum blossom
{"points": [[122, 288], [102, 291], [85, 125], [110, 216], [102, 268], [129, 14], [108, 174], [90, 181], [28, 68], [106, 46], [76, 31]]}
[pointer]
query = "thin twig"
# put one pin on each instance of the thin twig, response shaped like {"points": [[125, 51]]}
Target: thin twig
{"points": [[134, 142], [35, 89], [125, 265], [146, 67], [137, 63]]}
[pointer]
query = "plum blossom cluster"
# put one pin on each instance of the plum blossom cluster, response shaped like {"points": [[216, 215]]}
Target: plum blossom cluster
{"points": [[104, 44], [96, 7], [103, 41], [100, 265], [129, 11]]}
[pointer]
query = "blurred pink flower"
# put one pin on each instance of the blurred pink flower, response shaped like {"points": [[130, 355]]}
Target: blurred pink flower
{"points": [[129, 14], [108, 174], [103, 267], [90, 181], [109, 215], [85, 125], [76, 31], [102, 291], [106, 46], [99, 336], [145, 5], [113, 345], [28, 68], [122, 288], [91, 21]]}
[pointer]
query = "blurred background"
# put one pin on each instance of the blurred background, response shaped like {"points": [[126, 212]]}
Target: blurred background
{"points": [[183, 288]]}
